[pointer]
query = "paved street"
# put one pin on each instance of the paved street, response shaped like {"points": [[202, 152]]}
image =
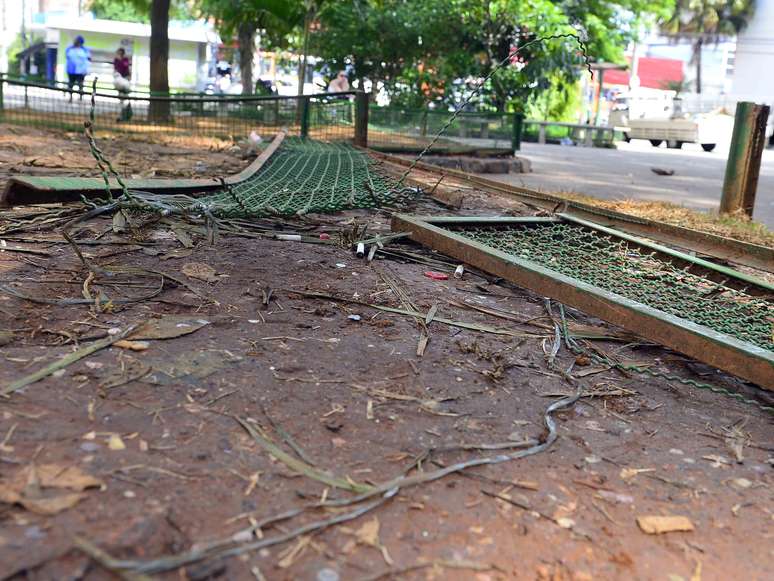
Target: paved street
{"points": [[626, 173]]}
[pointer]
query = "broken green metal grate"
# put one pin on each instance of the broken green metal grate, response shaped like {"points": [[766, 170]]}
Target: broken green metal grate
{"points": [[712, 313], [306, 176], [293, 176], [617, 266]]}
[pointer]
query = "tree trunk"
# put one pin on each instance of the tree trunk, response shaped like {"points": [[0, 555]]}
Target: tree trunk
{"points": [[302, 65], [697, 49], [246, 35], [159, 58]]}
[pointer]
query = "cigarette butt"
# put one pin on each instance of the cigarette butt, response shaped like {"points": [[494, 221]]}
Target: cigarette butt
{"points": [[459, 271], [360, 250]]}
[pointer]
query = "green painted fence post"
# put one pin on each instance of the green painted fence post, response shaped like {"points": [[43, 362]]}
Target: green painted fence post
{"points": [[361, 119], [518, 128], [304, 117], [744, 158]]}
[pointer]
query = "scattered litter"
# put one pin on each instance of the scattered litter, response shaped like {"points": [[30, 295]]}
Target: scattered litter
{"points": [[325, 236], [360, 252], [436, 275], [341, 265], [656, 525], [459, 271], [662, 172], [354, 317], [288, 237]]}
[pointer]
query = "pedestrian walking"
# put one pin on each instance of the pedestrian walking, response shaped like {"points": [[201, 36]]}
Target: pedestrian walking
{"points": [[122, 74], [78, 57]]}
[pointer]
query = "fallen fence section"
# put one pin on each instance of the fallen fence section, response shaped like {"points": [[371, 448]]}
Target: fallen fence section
{"points": [[736, 251], [618, 280], [25, 190], [294, 176]]}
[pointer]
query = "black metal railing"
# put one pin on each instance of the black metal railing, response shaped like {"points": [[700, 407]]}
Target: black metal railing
{"points": [[323, 116]]}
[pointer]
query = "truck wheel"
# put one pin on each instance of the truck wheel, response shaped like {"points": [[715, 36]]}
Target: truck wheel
{"points": [[655, 142], [708, 146], [673, 144]]}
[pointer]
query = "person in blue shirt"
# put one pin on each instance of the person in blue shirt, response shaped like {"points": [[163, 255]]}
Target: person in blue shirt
{"points": [[78, 57]]}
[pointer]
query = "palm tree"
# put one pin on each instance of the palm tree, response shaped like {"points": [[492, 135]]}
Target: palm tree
{"points": [[706, 21]]}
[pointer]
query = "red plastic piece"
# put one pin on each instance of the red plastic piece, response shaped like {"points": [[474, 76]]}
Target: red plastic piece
{"points": [[436, 275]]}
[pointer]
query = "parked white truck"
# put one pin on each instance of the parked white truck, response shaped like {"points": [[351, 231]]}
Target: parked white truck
{"points": [[705, 129]]}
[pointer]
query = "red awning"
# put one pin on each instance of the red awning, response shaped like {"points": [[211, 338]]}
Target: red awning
{"points": [[654, 73]]}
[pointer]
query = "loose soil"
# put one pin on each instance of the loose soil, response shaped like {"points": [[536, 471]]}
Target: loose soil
{"points": [[158, 428]]}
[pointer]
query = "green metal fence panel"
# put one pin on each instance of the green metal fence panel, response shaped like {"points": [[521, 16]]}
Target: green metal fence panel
{"points": [[329, 116], [409, 130]]}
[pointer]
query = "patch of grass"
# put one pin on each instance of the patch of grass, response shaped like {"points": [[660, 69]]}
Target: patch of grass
{"points": [[729, 226]]}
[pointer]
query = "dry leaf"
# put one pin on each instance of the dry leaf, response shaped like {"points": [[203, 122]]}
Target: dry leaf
{"points": [[200, 271], [116, 443], [168, 327], [132, 345], [52, 505], [26, 486], [290, 555], [72, 477], [656, 525], [368, 534]]}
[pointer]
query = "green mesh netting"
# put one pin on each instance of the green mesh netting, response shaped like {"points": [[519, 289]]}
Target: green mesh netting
{"points": [[302, 176], [625, 269]]}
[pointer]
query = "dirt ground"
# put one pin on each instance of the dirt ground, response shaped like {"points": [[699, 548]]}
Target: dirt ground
{"points": [[162, 446]]}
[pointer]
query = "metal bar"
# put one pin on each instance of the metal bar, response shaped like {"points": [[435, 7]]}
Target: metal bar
{"points": [[304, 117], [717, 349], [518, 129], [744, 159], [744, 253], [361, 119]]}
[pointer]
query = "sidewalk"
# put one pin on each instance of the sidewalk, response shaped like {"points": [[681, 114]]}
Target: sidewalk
{"points": [[626, 173]]}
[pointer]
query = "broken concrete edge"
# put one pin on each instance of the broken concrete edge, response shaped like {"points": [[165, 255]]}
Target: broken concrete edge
{"points": [[717, 349], [704, 243], [486, 165], [27, 190]]}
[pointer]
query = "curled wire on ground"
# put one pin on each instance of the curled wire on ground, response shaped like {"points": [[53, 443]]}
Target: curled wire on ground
{"points": [[377, 496]]}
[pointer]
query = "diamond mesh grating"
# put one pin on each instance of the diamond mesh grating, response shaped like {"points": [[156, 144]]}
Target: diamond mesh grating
{"points": [[626, 270], [302, 176]]}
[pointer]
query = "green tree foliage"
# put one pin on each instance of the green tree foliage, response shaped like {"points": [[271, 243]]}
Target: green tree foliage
{"points": [[135, 10], [707, 21], [243, 19], [436, 50]]}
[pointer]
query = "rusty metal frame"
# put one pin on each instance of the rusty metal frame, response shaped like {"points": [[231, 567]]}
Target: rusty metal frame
{"points": [[712, 245], [717, 349]]}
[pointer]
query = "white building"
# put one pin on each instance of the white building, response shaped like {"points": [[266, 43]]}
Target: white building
{"points": [[753, 77]]}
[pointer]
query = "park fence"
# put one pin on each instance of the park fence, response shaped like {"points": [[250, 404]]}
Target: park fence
{"points": [[343, 116], [331, 117], [400, 130]]}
